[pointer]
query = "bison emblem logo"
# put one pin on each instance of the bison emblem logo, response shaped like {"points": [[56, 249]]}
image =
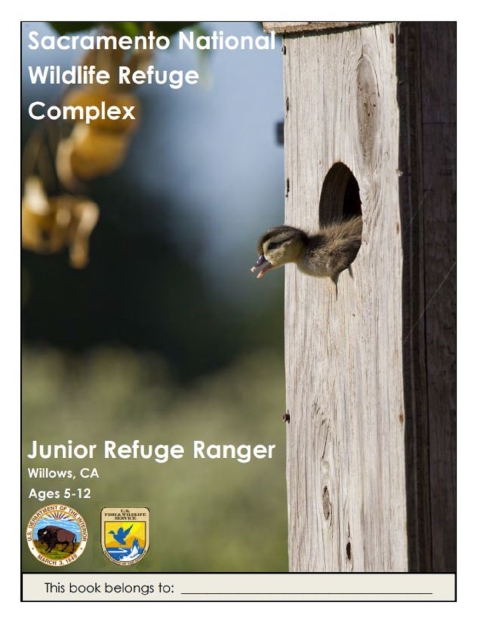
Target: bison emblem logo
{"points": [[57, 535], [52, 535]]}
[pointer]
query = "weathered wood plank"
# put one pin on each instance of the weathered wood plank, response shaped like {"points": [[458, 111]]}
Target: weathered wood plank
{"points": [[343, 356], [427, 96], [301, 27], [439, 91], [411, 190]]}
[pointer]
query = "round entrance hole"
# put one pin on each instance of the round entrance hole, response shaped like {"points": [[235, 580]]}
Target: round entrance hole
{"points": [[339, 203], [340, 197]]}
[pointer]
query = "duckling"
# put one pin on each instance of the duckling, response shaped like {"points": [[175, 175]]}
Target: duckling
{"points": [[325, 254]]}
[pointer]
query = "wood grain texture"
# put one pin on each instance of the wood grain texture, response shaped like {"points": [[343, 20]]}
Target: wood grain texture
{"points": [[438, 61], [415, 361], [297, 27], [427, 96], [343, 355]]}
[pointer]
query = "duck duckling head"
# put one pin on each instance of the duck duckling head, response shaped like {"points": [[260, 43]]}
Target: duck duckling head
{"points": [[278, 246]]}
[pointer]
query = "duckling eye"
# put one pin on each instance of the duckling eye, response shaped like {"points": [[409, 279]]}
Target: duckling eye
{"points": [[273, 245]]}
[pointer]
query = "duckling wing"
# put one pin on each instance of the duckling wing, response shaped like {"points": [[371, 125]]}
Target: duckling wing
{"points": [[341, 248], [341, 256]]}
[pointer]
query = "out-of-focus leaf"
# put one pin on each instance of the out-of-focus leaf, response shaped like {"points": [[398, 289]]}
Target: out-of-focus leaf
{"points": [[125, 28], [170, 28], [201, 32], [63, 28]]}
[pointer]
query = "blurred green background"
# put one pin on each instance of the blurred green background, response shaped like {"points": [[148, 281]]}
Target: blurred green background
{"points": [[166, 337]]}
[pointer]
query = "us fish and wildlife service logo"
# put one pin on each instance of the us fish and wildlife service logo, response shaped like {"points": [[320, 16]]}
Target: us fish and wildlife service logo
{"points": [[125, 534], [57, 535]]}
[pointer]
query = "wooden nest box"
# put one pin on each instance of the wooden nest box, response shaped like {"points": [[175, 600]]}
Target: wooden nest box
{"points": [[370, 129]]}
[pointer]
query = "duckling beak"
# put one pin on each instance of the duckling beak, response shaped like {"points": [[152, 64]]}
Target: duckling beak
{"points": [[261, 263]]}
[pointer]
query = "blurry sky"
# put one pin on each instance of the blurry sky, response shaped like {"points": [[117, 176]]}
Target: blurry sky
{"points": [[218, 150]]}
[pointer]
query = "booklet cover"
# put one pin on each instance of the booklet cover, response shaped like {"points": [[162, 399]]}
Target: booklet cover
{"points": [[176, 411]]}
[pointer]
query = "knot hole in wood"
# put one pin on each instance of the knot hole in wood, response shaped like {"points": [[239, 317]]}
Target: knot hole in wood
{"points": [[327, 505], [367, 105]]}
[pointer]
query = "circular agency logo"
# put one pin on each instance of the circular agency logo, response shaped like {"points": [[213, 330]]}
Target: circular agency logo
{"points": [[57, 535]]}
